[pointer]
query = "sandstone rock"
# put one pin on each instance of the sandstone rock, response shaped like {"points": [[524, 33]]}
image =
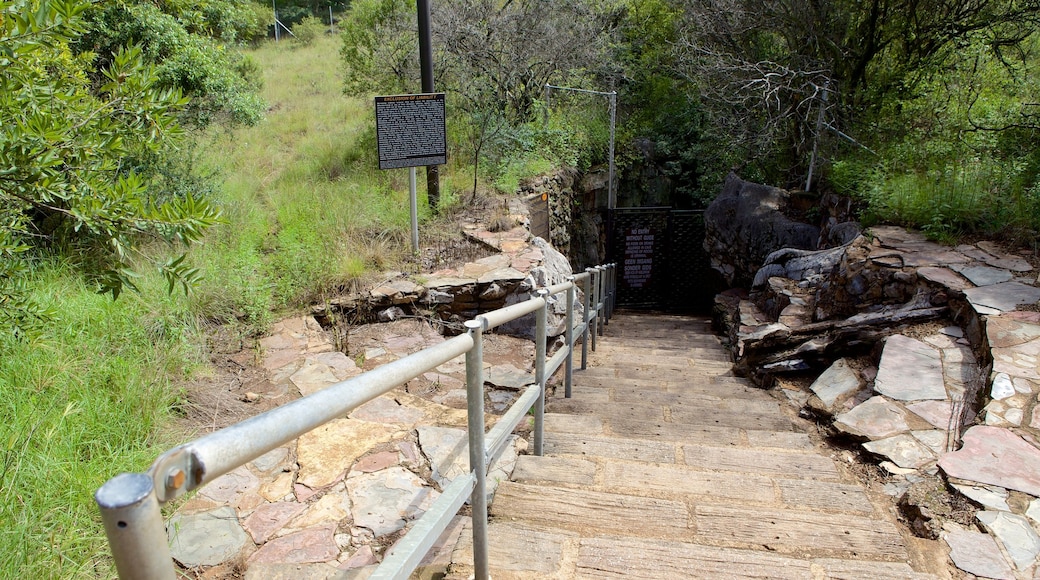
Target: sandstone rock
{"points": [[836, 384], [270, 518], [910, 370], [904, 450], [876, 418], [386, 501], [206, 538], [977, 553], [995, 456], [745, 224], [987, 496], [1014, 532], [326, 453], [311, 545], [1003, 297]]}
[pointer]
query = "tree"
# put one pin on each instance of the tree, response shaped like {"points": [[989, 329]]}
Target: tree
{"points": [[515, 48], [63, 141], [767, 69]]}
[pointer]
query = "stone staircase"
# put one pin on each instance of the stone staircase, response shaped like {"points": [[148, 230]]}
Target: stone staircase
{"points": [[664, 465]]}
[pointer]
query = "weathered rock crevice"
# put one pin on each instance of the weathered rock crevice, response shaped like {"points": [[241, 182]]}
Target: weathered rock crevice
{"points": [[927, 357]]}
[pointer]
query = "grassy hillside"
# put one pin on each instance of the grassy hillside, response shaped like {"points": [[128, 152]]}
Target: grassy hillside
{"points": [[306, 213]]}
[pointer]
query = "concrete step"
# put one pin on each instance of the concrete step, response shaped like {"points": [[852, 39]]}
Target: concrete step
{"points": [[590, 511], [664, 464]]}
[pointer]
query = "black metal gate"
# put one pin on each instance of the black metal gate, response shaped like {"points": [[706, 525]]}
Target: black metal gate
{"points": [[661, 259]]}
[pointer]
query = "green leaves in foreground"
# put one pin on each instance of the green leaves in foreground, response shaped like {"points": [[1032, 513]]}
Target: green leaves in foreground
{"points": [[63, 141]]}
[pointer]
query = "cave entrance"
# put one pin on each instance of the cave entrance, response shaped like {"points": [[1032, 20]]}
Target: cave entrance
{"points": [[661, 260]]}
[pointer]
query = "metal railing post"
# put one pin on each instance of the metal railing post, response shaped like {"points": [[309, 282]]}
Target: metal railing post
{"points": [[601, 317], [539, 370], [135, 528], [568, 377], [597, 281], [611, 287], [588, 315], [475, 411]]}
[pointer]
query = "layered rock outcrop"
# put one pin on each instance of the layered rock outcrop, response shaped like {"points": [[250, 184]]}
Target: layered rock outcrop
{"points": [[745, 224]]}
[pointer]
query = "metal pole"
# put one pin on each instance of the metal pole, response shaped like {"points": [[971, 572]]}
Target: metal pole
{"points": [[539, 370], [413, 200], [612, 191], [135, 529], [274, 7], [332, 23], [816, 140], [569, 368], [587, 314], [547, 105], [475, 411], [422, 7], [595, 305], [601, 317]]}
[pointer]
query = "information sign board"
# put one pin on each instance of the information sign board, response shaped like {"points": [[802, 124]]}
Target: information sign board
{"points": [[410, 130]]}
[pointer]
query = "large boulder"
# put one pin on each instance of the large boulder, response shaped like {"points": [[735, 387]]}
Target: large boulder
{"points": [[745, 224]]}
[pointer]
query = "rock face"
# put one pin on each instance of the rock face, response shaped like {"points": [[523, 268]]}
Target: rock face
{"points": [[929, 334], [745, 224]]}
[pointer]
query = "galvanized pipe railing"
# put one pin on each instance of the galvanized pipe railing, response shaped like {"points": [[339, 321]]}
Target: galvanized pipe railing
{"points": [[130, 502]]}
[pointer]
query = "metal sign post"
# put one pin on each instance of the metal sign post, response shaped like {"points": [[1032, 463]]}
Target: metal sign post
{"points": [[410, 132]]}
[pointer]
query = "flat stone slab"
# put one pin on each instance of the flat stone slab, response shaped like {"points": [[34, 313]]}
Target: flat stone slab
{"points": [[995, 456], [634, 449], [944, 277], [386, 409], [1006, 331], [938, 413], [508, 376], [228, 487], [985, 275], [688, 481], [581, 510], [1015, 533], [837, 382], [823, 496], [514, 548], [269, 518], [206, 538], [995, 498], [753, 461], [311, 545], [910, 370], [875, 418], [531, 468], [793, 530], [1005, 296], [386, 501], [903, 450], [977, 553], [639, 559], [326, 453], [448, 450]]}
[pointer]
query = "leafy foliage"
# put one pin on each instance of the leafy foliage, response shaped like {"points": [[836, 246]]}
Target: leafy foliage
{"points": [[188, 43], [379, 47], [63, 141]]}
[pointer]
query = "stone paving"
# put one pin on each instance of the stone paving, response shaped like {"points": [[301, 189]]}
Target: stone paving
{"points": [[328, 504]]}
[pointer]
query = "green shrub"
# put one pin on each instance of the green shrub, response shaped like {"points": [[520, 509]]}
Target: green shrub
{"points": [[306, 31]]}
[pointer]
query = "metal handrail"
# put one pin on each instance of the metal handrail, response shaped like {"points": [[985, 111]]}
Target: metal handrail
{"points": [[130, 502]]}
